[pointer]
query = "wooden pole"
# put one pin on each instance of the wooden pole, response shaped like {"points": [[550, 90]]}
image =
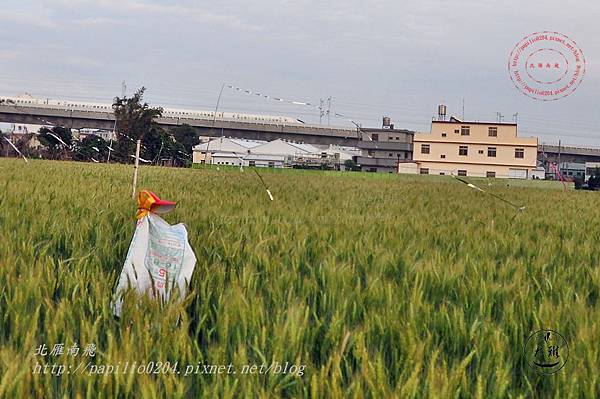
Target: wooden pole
{"points": [[136, 167], [109, 147]]}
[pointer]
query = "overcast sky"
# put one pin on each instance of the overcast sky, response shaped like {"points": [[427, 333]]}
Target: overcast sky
{"points": [[374, 58]]}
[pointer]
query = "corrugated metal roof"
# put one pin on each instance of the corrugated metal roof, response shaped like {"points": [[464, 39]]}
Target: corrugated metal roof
{"points": [[247, 143], [306, 147], [221, 142]]}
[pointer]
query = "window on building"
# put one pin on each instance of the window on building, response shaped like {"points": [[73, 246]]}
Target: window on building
{"points": [[480, 151], [463, 150], [465, 130], [442, 156], [370, 153], [519, 152], [372, 170], [271, 164], [443, 134], [390, 154], [490, 174], [375, 137], [492, 131], [462, 172], [251, 163], [424, 171], [456, 131], [442, 173], [424, 148], [492, 152]]}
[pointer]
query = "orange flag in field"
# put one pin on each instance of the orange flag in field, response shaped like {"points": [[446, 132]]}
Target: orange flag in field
{"points": [[148, 202]]}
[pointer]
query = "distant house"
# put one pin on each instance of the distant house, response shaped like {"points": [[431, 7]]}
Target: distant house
{"points": [[21, 129], [25, 142], [103, 134], [384, 149], [481, 149]]}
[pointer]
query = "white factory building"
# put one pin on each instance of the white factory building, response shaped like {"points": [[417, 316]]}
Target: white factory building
{"points": [[274, 154]]}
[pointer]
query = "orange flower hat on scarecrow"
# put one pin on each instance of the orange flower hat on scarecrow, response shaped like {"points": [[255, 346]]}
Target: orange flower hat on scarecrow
{"points": [[148, 202]]}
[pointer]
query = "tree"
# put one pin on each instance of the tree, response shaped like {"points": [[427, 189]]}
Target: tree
{"points": [[91, 147], [187, 137], [135, 119], [176, 152], [154, 143], [349, 164], [57, 141], [160, 147], [594, 180]]}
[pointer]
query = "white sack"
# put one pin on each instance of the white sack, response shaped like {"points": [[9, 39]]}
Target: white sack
{"points": [[159, 253]]}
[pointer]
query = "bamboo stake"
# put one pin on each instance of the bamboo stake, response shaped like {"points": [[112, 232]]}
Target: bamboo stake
{"points": [[136, 167]]}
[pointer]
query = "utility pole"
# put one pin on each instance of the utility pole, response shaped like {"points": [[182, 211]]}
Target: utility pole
{"points": [[321, 112], [213, 125], [515, 116], [499, 116], [559, 157], [217, 104], [114, 132]]}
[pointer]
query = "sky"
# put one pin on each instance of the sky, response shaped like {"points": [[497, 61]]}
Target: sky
{"points": [[373, 58]]}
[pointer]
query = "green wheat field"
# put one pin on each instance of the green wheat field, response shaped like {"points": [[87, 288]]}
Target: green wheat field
{"points": [[382, 286]]}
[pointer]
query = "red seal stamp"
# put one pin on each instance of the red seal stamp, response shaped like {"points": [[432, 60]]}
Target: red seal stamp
{"points": [[546, 66]]}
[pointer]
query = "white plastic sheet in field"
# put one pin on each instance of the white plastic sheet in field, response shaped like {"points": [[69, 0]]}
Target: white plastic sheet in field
{"points": [[159, 261]]}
